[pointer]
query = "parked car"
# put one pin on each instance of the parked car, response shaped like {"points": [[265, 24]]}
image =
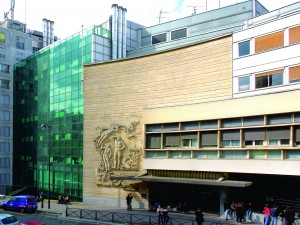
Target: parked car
{"points": [[8, 219], [33, 222], [23, 203]]}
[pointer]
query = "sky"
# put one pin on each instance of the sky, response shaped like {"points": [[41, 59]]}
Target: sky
{"points": [[70, 15]]}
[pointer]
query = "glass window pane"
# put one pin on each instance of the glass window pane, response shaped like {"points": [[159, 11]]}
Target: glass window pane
{"points": [[258, 154], [261, 82], [276, 154], [244, 83], [294, 154], [190, 126], [176, 34], [276, 79], [244, 48], [209, 124], [159, 38]]}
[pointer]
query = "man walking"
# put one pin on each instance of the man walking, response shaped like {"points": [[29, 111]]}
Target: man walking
{"points": [[128, 201]]}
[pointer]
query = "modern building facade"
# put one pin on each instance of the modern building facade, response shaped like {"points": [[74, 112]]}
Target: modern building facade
{"points": [[200, 122], [16, 43]]}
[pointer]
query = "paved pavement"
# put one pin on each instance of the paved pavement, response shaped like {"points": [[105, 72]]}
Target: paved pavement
{"points": [[60, 210]]}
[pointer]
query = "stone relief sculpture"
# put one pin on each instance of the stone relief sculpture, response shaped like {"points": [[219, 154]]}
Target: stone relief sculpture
{"points": [[118, 154]]}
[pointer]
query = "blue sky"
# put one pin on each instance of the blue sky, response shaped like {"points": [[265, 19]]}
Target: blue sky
{"points": [[70, 15]]}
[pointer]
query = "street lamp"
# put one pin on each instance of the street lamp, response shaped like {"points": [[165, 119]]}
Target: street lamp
{"points": [[44, 126]]}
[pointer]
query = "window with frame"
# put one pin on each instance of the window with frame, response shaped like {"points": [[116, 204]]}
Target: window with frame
{"points": [[177, 34], [171, 127], [153, 141], [209, 139], [4, 68], [254, 137], [233, 154], [20, 43], [244, 83], [171, 140], [189, 140], [244, 48], [232, 122], [159, 38], [210, 154], [279, 118], [294, 35], [253, 121], [278, 136], [269, 42], [269, 79], [231, 138], [4, 84], [2, 53], [20, 56], [209, 124], [294, 74]]}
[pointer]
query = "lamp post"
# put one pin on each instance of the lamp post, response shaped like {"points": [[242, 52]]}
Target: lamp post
{"points": [[44, 126]]}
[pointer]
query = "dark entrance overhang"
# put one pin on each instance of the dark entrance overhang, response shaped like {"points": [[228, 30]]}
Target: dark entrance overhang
{"points": [[210, 182]]}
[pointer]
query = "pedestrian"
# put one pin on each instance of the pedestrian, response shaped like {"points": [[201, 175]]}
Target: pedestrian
{"points": [[274, 214], [249, 211], [232, 210], [289, 216], [67, 200], [199, 216], [226, 209], [239, 212], [159, 211], [128, 202], [165, 215], [267, 214]]}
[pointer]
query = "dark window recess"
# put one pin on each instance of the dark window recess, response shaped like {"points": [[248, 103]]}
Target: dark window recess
{"points": [[159, 38], [176, 34]]}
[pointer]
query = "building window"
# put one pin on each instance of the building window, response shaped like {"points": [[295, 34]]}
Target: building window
{"points": [[156, 154], [171, 126], [232, 154], [297, 136], [269, 79], [2, 53], [231, 138], [153, 127], [278, 136], [4, 115], [159, 38], [4, 68], [253, 121], [211, 154], [176, 34], [171, 140], [279, 119], [20, 56], [4, 147], [5, 162], [254, 137], [294, 74], [4, 131], [294, 35], [234, 122], [294, 154], [269, 42], [189, 140], [4, 100], [244, 83], [209, 139], [190, 126], [244, 48], [209, 124], [20, 44], [2, 37], [4, 84]]}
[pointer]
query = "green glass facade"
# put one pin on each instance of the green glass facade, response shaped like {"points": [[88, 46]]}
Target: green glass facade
{"points": [[48, 90]]}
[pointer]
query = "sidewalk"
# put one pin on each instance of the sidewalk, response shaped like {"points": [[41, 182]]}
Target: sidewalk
{"points": [[60, 209]]}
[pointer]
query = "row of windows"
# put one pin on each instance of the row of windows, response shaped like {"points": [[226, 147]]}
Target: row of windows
{"points": [[284, 118], [268, 137], [268, 42], [175, 34], [19, 55], [226, 154], [269, 79]]}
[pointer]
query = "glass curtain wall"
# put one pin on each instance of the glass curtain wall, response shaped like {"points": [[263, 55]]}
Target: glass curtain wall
{"points": [[49, 115]]}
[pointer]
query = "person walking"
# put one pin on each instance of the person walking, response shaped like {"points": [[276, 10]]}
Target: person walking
{"points": [[199, 216], [165, 215], [274, 214], [239, 212], [267, 214], [159, 211], [249, 211], [128, 202], [226, 209]]}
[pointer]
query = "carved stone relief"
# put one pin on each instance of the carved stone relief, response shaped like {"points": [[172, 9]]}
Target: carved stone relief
{"points": [[118, 154]]}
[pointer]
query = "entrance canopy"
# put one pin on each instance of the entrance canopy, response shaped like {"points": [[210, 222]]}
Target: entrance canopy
{"points": [[209, 182]]}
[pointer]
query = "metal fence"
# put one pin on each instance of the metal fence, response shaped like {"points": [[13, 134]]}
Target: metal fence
{"points": [[129, 218]]}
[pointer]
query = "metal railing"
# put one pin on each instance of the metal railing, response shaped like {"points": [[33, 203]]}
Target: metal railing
{"points": [[129, 218]]}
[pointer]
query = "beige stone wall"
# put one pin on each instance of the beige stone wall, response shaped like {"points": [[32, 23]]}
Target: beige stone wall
{"points": [[118, 92]]}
